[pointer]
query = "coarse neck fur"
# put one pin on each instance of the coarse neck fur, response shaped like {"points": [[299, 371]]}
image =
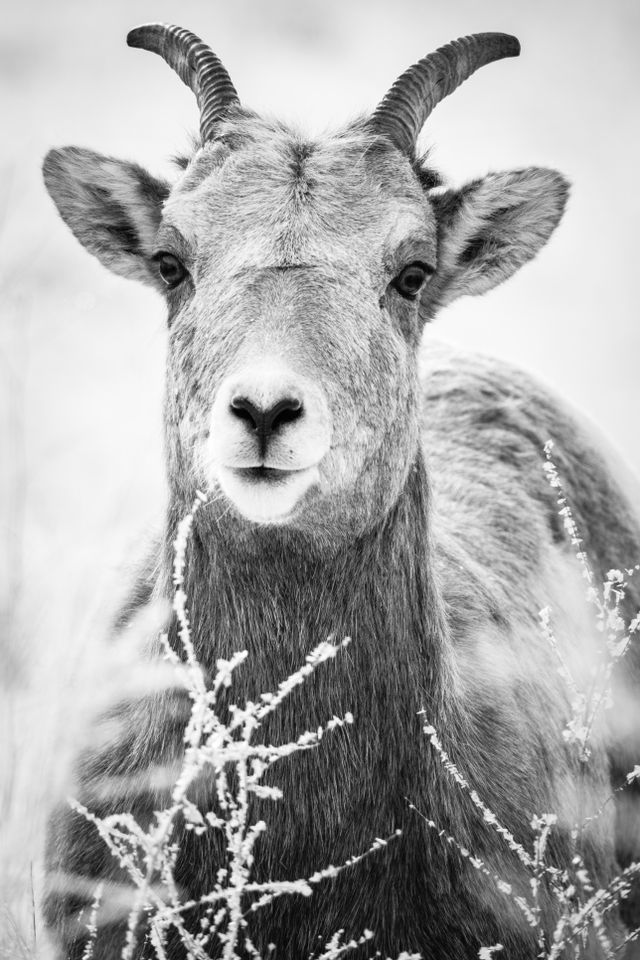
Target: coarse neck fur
{"points": [[274, 595], [278, 594]]}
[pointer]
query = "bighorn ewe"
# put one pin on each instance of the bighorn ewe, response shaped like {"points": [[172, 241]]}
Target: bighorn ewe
{"points": [[353, 493]]}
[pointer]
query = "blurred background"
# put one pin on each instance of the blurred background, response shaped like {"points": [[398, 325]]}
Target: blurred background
{"points": [[81, 351]]}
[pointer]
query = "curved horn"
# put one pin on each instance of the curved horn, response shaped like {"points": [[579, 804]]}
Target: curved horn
{"points": [[196, 65], [400, 116]]}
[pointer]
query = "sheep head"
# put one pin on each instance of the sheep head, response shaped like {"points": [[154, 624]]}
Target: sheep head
{"points": [[298, 276]]}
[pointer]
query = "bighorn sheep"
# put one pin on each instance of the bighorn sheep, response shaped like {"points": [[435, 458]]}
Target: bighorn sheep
{"points": [[357, 491]]}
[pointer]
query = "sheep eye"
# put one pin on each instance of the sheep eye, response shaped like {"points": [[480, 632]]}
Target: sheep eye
{"points": [[410, 280], [170, 269]]}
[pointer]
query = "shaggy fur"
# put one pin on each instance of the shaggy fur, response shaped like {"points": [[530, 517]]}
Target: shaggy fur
{"points": [[432, 539]]}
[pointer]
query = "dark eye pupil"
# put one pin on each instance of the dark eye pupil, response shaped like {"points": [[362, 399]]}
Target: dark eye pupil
{"points": [[411, 279], [171, 270]]}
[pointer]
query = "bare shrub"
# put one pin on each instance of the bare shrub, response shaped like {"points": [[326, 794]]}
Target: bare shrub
{"points": [[236, 765]]}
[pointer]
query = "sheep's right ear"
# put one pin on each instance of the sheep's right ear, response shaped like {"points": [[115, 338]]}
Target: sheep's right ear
{"points": [[113, 207]]}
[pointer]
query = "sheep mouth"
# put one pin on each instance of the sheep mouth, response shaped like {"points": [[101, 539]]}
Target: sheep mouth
{"points": [[267, 494], [263, 474]]}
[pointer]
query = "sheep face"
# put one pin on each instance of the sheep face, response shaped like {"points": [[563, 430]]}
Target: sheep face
{"points": [[291, 380]]}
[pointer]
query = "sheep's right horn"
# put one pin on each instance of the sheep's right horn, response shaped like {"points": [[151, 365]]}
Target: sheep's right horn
{"points": [[196, 65]]}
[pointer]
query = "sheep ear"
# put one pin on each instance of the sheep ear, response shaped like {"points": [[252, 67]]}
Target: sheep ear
{"points": [[489, 228], [113, 207]]}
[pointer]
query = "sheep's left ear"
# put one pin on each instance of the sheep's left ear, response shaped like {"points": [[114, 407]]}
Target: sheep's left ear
{"points": [[489, 228]]}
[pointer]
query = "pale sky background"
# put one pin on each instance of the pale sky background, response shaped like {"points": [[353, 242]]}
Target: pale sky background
{"points": [[81, 351]]}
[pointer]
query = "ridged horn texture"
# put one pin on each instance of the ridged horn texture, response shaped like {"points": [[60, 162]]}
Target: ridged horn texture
{"points": [[196, 65], [400, 116]]}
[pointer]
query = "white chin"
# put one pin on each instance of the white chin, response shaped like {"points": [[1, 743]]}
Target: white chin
{"points": [[266, 500]]}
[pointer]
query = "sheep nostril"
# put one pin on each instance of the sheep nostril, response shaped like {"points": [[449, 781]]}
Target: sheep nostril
{"points": [[243, 409], [285, 411]]}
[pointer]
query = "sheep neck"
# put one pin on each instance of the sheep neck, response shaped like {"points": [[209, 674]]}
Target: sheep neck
{"points": [[278, 598]]}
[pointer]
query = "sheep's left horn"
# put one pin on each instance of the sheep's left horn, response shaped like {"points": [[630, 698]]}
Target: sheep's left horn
{"points": [[196, 65], [400, 116]]}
